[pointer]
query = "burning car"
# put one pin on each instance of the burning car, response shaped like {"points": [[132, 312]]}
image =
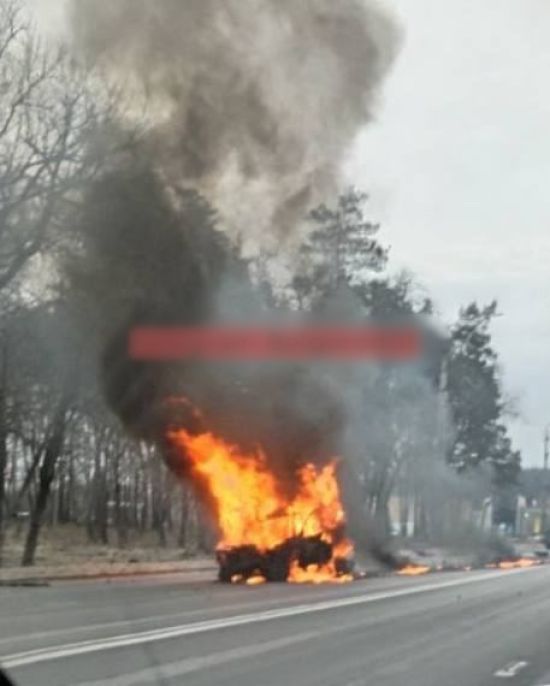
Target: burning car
{"points": [[267, 532], [296, 557]]}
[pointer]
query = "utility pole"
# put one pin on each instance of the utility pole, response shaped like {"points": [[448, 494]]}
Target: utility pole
{"points": [[545, 484]]}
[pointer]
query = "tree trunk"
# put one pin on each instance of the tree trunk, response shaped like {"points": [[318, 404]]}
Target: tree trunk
{"points": [[102, 506], [159, 503], [47, 473], [69, 513], [3, 449], [3, 465], [382, 515], [184, 519], [29, 478], [404, 514], [421, 526], [135, 499], [92, 490], [63, 513], [145, 503], [120, 504]]}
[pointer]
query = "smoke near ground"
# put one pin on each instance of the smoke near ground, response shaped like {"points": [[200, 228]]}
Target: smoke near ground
{"points": [[254, 103]]}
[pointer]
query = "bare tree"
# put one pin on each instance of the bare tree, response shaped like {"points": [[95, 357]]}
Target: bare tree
{"points": [[49, 110]]}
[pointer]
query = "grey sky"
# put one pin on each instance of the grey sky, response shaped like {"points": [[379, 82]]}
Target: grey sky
{"points": [[457, 166]]}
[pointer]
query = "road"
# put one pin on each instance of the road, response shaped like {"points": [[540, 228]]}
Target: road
{"points": [[454, 629]]}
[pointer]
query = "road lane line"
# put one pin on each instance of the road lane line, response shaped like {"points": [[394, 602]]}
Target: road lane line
{"points": [[511, 670], [180, 668], [132, 622], [124, 640]]}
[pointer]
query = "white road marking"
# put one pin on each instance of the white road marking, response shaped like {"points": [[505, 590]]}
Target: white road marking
{"points": [[124, 640], [132, 622], [151, 675], [511, 670]]}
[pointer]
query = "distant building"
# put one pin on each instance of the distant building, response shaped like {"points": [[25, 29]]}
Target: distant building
{"points": [[529, 518]]}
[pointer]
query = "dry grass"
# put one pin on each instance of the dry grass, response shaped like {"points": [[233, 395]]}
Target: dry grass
{"points": [[64, 551]]}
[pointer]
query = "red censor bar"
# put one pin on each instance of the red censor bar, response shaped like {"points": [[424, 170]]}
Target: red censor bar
{"points": [[297, 343]]}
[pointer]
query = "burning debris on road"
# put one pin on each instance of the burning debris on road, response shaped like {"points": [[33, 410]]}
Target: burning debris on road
{"points": [[267, 533], [514, 563], [414, 570]]}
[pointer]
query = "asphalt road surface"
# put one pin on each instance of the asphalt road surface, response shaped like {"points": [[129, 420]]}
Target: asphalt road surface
{"points": [[453, 629]]}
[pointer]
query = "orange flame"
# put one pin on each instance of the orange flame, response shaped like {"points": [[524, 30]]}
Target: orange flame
{"points": [[255, 580], [251, 510], [316, 574], [520, 563], [414, 570]]}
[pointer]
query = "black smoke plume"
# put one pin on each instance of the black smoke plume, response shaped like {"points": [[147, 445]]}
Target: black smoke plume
{"points": [[248, 106]]}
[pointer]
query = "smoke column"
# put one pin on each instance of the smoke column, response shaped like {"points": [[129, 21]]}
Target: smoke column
{"points": [[252, 102]]}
